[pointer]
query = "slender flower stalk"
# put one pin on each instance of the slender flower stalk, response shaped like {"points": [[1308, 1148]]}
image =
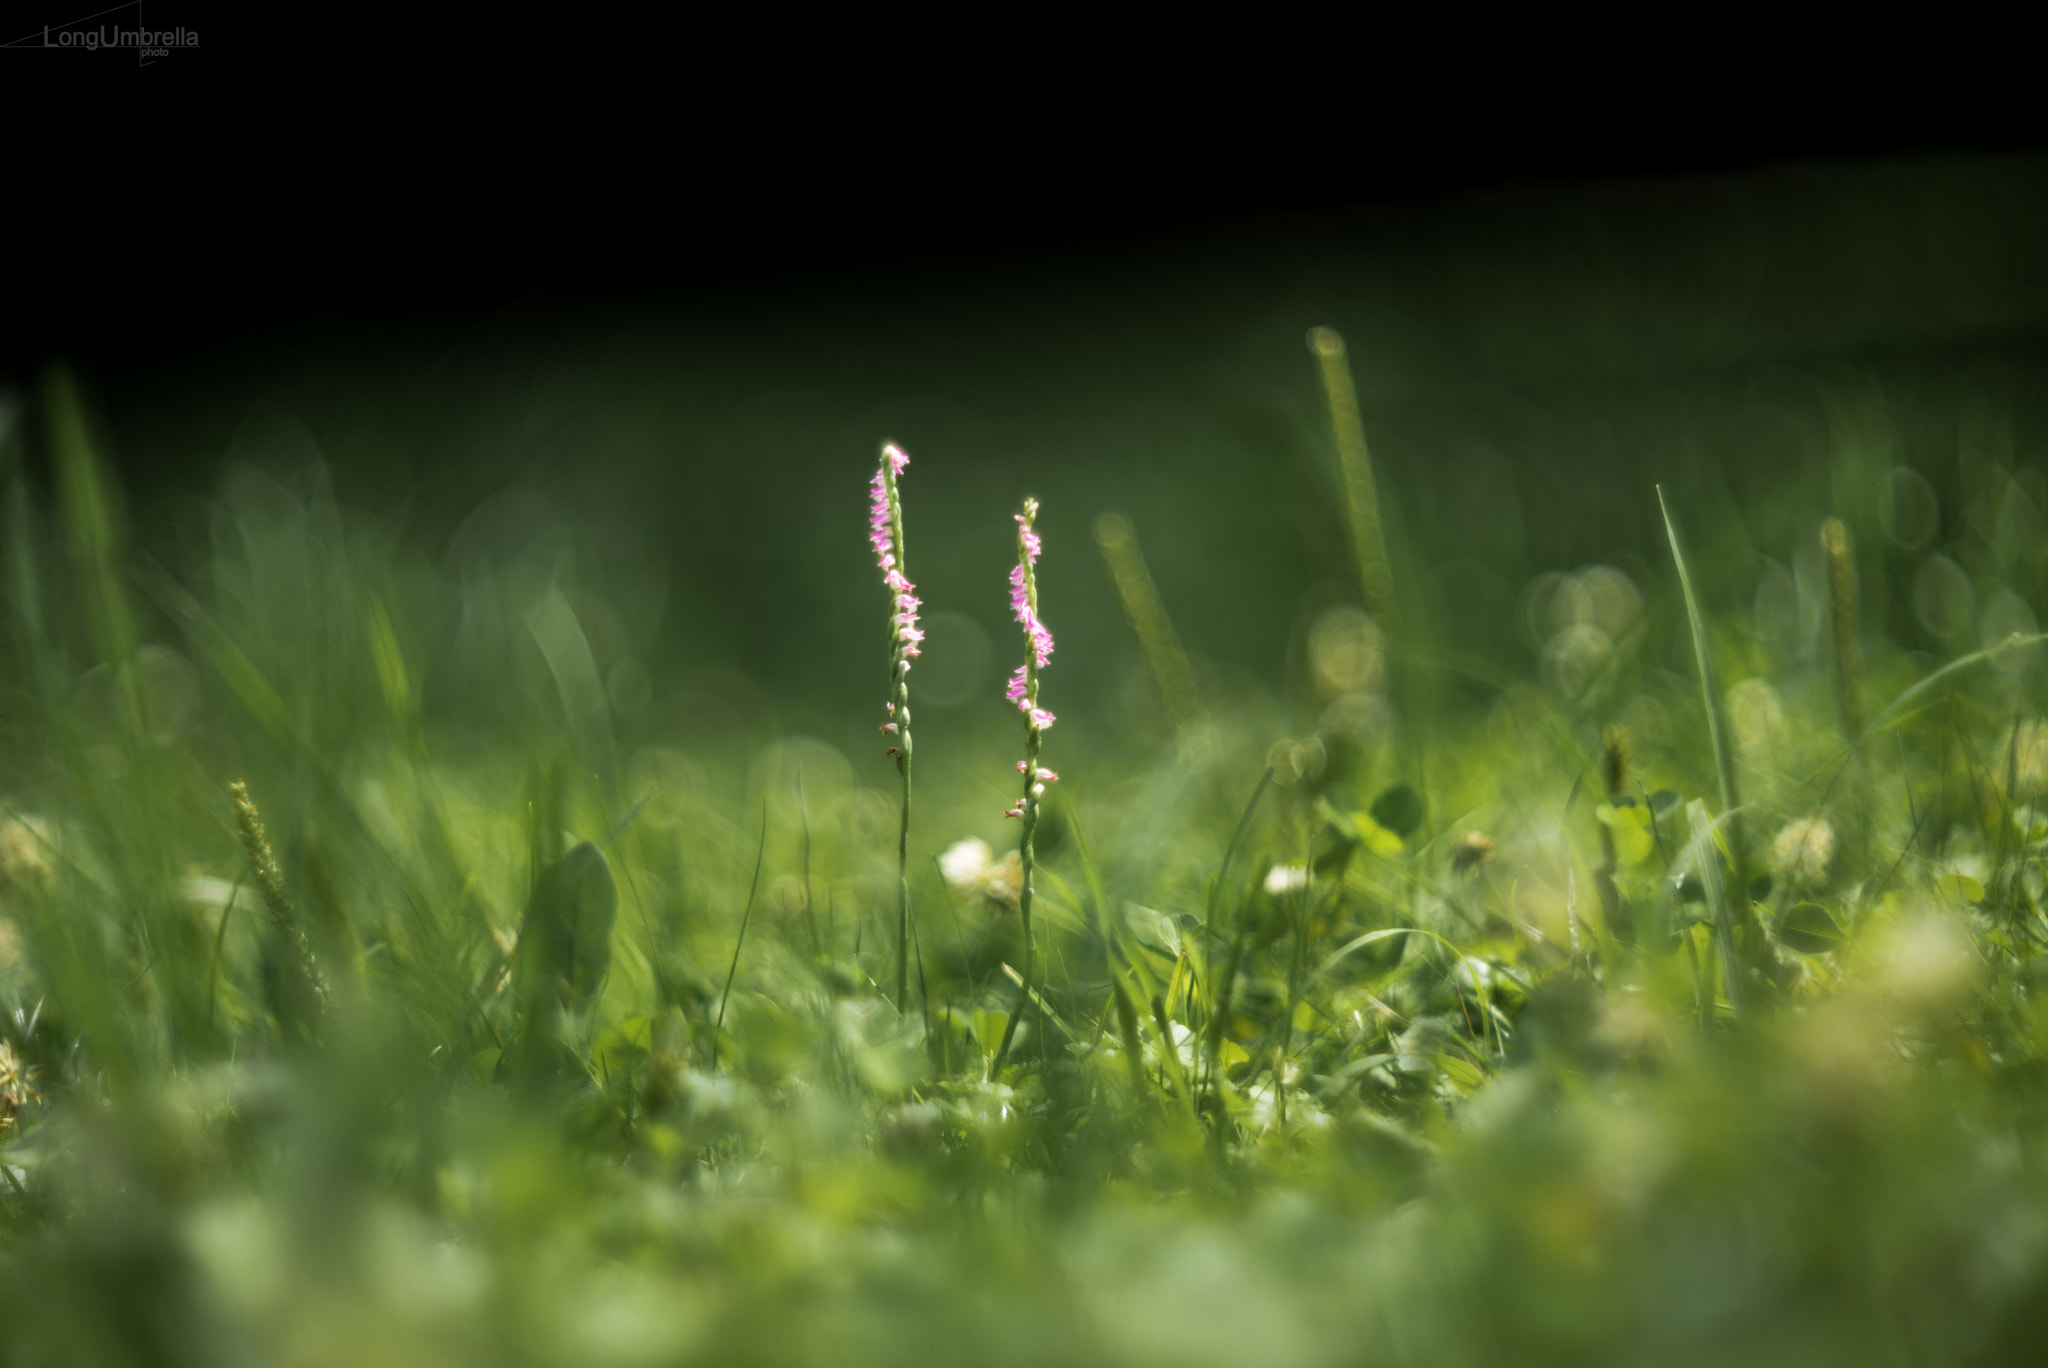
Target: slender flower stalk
{"points": [[885, 534], [1023, 691]]}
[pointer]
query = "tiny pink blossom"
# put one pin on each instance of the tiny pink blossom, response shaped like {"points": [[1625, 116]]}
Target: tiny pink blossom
{"points": [[1032, 546], [1035, 630], [880, 535]]}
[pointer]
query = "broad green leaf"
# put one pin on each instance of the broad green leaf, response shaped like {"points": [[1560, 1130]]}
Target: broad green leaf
{"points": [[1809, 929], [1961, 887], [1629, 825], [1154, 929], [567, 934], [1462, 1072], [1400, 810]]}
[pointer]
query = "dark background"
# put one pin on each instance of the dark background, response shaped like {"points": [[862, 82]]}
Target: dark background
{"points": [[680, 326]]}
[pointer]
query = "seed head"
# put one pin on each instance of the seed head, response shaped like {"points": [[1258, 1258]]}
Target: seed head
{"points": [[1614, 758], [270, 884], [1472, 850], [262, 862]]}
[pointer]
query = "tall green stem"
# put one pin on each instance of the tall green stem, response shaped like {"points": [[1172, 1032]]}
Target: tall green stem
{"points": [[903, 845], [1025, 855]]}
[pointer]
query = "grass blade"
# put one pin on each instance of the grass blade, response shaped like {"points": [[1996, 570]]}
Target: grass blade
{"points": [[1704, 859], [1746, 935], [740, 940]]}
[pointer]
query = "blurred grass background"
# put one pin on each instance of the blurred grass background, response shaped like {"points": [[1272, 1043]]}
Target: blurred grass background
{"points": [[454, 600], [1530, 362]]}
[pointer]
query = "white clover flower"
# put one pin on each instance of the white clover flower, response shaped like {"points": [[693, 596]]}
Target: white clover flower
{"points": [[965, 864], [1802, 852], [971, 870], [1286, 879]]}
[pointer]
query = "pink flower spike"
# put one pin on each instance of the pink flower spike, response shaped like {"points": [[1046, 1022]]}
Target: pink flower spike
{"points": [[885, 516], [882, 516], [1023, 686]]}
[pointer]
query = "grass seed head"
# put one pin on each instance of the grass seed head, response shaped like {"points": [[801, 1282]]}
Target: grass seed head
{"points": [[256, 845], [270, 884]]}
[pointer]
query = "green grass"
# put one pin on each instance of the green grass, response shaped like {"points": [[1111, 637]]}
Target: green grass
{"points": [[514, 1035]]}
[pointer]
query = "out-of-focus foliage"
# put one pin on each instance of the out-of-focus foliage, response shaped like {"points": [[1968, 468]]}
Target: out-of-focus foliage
{"points": [[457, 1056]]}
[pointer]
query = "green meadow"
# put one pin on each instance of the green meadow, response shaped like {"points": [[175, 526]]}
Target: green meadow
{"points": [[1542, 855]]}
